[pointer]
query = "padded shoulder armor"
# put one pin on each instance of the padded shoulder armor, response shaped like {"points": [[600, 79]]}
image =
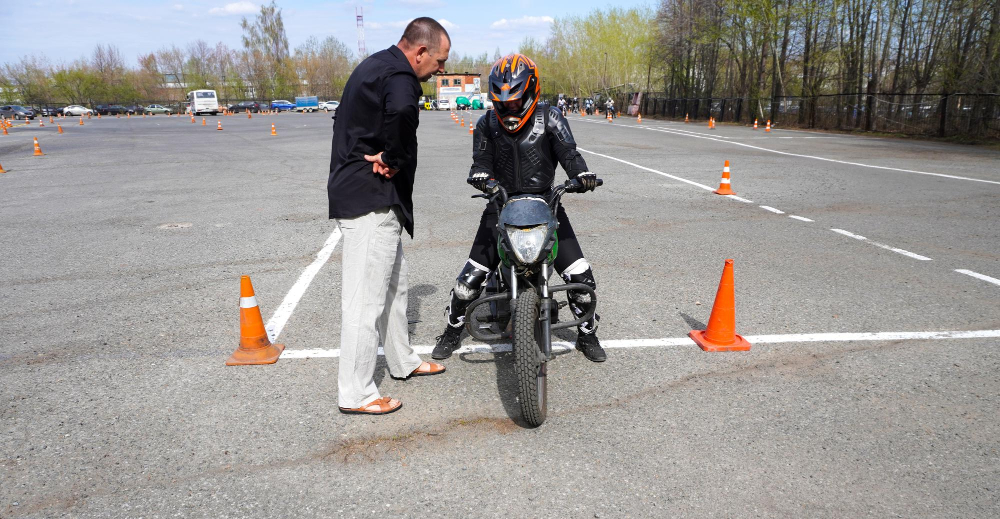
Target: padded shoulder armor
{"points": [[558, 126]]}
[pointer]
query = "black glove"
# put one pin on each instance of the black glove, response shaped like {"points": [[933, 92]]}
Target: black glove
{"points": [[588, 180], [479, 180]]}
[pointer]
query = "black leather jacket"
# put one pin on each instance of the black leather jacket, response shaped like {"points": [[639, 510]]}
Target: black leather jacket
{"points": [[525, 162]]}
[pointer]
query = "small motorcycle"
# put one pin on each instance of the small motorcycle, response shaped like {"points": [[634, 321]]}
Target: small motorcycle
{"points": [[520, 300]]}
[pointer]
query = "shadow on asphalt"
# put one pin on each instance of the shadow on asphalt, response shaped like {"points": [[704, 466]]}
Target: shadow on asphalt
{"points": [[692, 322], [413, 304]]}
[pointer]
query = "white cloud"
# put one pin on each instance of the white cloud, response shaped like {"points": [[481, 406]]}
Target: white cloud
{"points": [[524, 21], [447, 25], [178, 7], [235, 8]]}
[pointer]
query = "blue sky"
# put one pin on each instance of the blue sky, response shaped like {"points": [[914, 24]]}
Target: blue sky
{"points": [[72, 28]]}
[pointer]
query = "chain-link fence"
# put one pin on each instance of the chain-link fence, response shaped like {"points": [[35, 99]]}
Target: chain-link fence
{"points": [[973, 116]]}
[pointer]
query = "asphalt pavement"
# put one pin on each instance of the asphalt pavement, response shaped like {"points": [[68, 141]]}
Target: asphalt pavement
{"points": [[867, 277]]}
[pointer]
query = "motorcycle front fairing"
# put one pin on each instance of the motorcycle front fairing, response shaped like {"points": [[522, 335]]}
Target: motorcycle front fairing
{"points": [[526, 211]]}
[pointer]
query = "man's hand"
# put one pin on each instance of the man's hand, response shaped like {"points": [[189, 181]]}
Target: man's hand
{"points": [[379, 167], [588, 180], [479, 180]]}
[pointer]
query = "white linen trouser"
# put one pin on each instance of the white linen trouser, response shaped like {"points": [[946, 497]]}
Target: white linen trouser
{"points": [[373, 305]]}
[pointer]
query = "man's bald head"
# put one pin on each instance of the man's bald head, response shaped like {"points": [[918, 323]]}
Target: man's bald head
{"points": [[425, 31], [426, 45]]}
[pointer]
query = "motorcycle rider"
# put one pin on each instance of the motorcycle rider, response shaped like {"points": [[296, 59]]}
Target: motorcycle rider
{"points": [[518, 143]]}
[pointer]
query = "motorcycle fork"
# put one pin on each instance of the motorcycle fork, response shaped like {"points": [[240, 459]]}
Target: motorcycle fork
{"points": [[545, 304]]}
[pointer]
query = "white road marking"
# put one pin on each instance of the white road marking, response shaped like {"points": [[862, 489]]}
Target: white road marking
{"points": [[559, 347], [702, 136], [773, 210], [802, 218], [882, 245], [977, 275], [651, 170], [744, 200], [287, 306]]}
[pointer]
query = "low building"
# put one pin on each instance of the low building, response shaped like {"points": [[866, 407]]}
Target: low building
{"points": [[457, 84]]}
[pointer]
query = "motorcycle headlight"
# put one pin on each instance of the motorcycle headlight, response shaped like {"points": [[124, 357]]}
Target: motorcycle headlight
{"points": [[527, 242]]}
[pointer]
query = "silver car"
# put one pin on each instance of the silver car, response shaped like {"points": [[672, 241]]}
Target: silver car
{"points": [[77, 110]]}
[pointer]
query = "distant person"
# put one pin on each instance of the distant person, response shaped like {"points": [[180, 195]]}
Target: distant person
{"points": [[372, 169]]}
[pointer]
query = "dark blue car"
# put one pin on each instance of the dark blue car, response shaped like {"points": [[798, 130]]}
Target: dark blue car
{"points": [[281, 104]]}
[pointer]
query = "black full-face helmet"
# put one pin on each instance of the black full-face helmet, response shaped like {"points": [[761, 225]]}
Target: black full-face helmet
{"points": [[514, 89]]}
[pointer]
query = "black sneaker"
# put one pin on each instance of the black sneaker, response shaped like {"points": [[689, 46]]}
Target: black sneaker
{"points": [[447, 342], [590, 347]]}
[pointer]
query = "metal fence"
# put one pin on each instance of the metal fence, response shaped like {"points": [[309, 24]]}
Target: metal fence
{"points": [[973, 116]]}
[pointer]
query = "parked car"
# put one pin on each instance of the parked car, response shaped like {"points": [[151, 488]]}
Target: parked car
{"points": [[110, 109], [77, 110], [134, 109], [282, 105], [462, 103], [157, 109], [444, 104], [47, 111], [16, 112], [329, 106], [245, 106]]}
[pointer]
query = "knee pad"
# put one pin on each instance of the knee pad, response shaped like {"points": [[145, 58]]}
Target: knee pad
{"points": [[580, 272], [470, 281]]}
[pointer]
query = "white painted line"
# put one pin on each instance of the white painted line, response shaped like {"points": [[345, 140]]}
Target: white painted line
{"points": [[882, 245], [802, 218], [849, 234], [814, 157], [773, 210], [977, 275], [559, 347], [744, 200], [651, 170], [285, 309]]}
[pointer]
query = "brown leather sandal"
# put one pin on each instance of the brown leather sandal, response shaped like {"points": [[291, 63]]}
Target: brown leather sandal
{"points": [[382, 405], [425, 369]]}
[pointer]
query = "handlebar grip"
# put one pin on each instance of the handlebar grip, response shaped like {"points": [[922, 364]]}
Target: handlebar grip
{"points": [[600, 181]]}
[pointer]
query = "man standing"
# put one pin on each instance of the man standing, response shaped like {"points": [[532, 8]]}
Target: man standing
{"points": [[372, 168]]}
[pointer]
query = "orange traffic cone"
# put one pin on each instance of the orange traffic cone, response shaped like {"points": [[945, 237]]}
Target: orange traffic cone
{"points": [[203, 121], [639, 120], [255, 346], [50, 120], [41, 123], [144, 115], [609, 116], [461, 121], [192, 119], [248, 115], [686, 120], [27, 122], [91, 116], [711, 123], [4, 129], [59, 126], [721, 333], [38, 150], [470, 127], [273, 131], [118, 116], [724, 187], [755, 124], [768, 128], [220, 126], [1, 167]]}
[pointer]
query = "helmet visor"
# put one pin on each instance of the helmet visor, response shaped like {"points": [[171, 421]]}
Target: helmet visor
{"points": [[505, 108]]}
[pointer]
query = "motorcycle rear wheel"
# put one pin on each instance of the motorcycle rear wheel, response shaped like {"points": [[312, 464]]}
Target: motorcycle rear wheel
{"points": [[530, 371]]}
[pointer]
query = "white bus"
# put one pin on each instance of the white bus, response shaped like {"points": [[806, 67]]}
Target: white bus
{"points": [[203, 102]]}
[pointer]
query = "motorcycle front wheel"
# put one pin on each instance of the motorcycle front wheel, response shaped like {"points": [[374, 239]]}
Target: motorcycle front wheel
{"points": [[530, 371]]}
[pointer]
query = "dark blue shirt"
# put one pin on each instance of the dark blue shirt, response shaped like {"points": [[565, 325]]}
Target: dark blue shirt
{"points": [[378, 112]]}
